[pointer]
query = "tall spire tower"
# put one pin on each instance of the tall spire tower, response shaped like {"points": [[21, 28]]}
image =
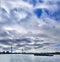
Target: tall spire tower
{"points": [[11, 48]]}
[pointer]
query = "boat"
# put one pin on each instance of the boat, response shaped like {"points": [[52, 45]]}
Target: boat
{"points": [[43, 54]]}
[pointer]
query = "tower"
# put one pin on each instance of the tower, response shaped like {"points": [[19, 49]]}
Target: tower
{"points": [[11, 49]]}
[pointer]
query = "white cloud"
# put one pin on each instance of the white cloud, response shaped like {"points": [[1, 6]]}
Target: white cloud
{"points": [[44, 28]]}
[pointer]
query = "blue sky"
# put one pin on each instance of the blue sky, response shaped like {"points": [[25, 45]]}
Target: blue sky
{"points": [[33, 25]]}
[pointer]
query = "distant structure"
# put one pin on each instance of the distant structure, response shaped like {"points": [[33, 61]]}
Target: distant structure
{"points": [[11, 49], [22, 51]]}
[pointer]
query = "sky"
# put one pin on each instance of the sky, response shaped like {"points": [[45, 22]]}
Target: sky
{"points": [[31, 25]]}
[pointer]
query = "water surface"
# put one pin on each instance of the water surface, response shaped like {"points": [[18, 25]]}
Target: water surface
{"points": [[28, 58]]}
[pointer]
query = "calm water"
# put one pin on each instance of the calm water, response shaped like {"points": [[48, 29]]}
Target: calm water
{"points": [[28, 58]]}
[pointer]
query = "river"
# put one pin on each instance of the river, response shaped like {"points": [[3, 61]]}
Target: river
{"points": [[28, 58]]}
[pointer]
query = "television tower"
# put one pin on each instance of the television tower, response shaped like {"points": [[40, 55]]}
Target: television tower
{"points": [[11, 49]]}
